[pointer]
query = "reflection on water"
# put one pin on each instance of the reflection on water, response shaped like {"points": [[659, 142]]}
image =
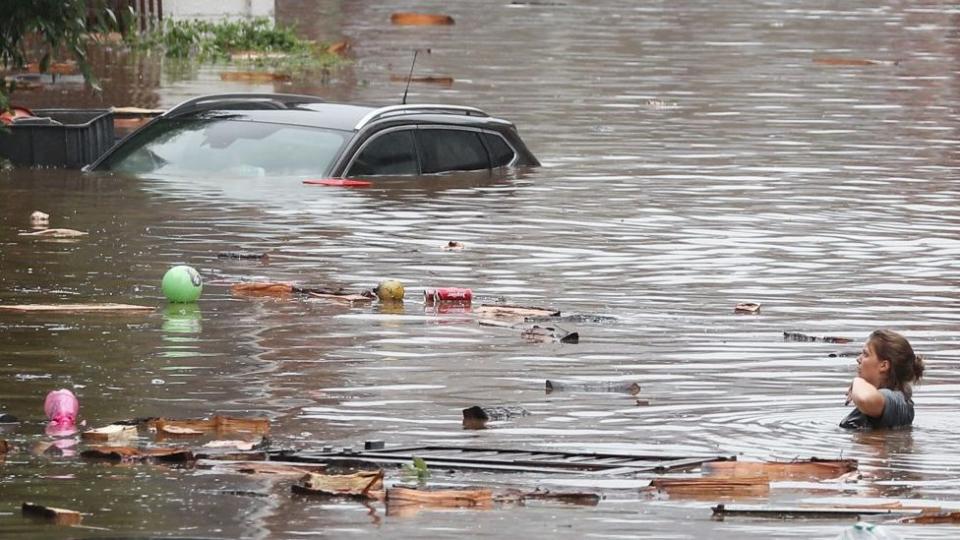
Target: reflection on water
{"points": [[696, 156]]}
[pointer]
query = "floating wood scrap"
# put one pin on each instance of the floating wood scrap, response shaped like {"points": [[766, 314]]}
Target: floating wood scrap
{"points": [[722, 511], [399, 497], [253, 76], [797, 336], [804, 469], [131, 454], [420, 19], [747, 307], [930, 517], [113, 432], [55, 233], [443, 80], [728, 486], [592, 386], [576, 318], [497, 314], [57, 516], [520, 497], [266, 468], [260, 288], [476, 417], [838, 61], [76, 308], [544, 334], [218, 424], [242, 255], [360, 485]]}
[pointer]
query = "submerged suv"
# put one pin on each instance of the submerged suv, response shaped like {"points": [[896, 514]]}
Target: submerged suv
{"points": [[259, 135]]}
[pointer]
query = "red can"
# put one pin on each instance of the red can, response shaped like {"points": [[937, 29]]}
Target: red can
{"points": [[447, 294]]}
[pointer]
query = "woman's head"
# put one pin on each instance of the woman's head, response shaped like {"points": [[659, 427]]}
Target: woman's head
{"points": [[888, 361]]}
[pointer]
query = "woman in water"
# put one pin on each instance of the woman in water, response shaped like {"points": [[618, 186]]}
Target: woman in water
{"points": [[882, 389]]}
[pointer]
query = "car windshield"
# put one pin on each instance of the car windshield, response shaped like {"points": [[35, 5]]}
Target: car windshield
{"points": [[217, 146]]}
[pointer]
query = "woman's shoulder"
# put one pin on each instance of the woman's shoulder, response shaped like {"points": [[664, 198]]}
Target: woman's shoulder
{"points": [[897, 408]]}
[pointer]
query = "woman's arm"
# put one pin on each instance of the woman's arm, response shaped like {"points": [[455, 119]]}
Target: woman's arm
{"points": [[866, 397]]}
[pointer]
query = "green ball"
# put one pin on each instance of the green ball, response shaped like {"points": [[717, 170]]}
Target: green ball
{"points": [[182, 284]]}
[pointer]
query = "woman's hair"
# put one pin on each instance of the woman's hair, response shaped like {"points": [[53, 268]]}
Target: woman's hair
{"points": [[905, 366]]}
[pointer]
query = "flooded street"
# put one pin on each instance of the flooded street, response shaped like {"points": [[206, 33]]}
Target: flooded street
{"points": [[695, 155]]}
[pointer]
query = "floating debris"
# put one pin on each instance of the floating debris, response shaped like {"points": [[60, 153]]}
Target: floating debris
{"points": [[543, 334], [476, 417], [75, 307], [797, 336], [573, 319], [131, 454], [803, 469], [57, 516], [113, 432], [420, 19], [453, 245], [520, 497], [747, 307], [443, 80], [593, 386], [739, 486], [242, 255], [361, 485], [253, 76], [408, 500], [838, 61], [791, 512], [55, 233], [218, 424], [504, 312], [39, 219]]}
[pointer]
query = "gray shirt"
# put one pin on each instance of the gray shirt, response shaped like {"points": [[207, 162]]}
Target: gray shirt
{"points": [[897, 411]]}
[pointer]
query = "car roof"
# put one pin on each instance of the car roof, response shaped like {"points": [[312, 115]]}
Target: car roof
{"points": [[312, 111]]}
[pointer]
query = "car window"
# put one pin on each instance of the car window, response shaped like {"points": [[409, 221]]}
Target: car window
{"points": [[451, 150], [227, 147], [386, 154], [500, 152]]}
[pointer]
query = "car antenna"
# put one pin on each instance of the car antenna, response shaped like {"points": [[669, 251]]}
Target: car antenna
{"points": [[410, 75]]}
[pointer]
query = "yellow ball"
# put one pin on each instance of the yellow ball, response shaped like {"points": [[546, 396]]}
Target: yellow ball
{"points": [[390, 290]]}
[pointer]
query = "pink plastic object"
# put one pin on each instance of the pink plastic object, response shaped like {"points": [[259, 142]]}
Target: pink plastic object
{"points": [[61, 407]]}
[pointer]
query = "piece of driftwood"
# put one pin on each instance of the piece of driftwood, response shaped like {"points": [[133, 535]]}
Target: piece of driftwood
{"points": [[131, 454], [76, 308], [592, 386], [218, 425], [544, 334], [740, 486], [837, 61], [505, 312], [443, 80], [242, 255], [746, 307], [345, 298], [804, 469], [439, 498], [113, 432], [267, 468], [933, 517], [58, 516], [55, 233], [476, 417], [262, 289], [361, 484], [420, 19], [253, 76], [520, 497], [797, 336], [721, 511]]}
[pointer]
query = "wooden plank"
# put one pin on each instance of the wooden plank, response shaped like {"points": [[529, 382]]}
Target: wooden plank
{"points": [[58, 516], [806, 469], [701, 487], [75, 308], [811, 512]]}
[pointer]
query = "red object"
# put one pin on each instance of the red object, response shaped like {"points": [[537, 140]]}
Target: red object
{"points": [[337, 182], [7, 117], [447, 294]]}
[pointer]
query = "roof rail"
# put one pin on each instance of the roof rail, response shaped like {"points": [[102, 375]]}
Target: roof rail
{"points": [[212, 101], [395, 110]]}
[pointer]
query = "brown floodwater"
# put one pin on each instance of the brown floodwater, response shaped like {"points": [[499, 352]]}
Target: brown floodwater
{"points": [[695, 155]]}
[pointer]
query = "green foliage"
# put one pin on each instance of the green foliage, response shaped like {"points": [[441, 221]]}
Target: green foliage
{"points": [[418, 470], [216, 41], [50, 28]]}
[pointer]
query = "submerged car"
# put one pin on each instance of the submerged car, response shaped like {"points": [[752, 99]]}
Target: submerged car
{"points": [[259, 135]]}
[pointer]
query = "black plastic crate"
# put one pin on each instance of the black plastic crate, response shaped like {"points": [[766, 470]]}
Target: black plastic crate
{"points": [[80, 138]]}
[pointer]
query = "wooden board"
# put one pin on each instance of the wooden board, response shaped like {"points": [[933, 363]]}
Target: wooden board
{"points": [[75, 308], [807, 469]]}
